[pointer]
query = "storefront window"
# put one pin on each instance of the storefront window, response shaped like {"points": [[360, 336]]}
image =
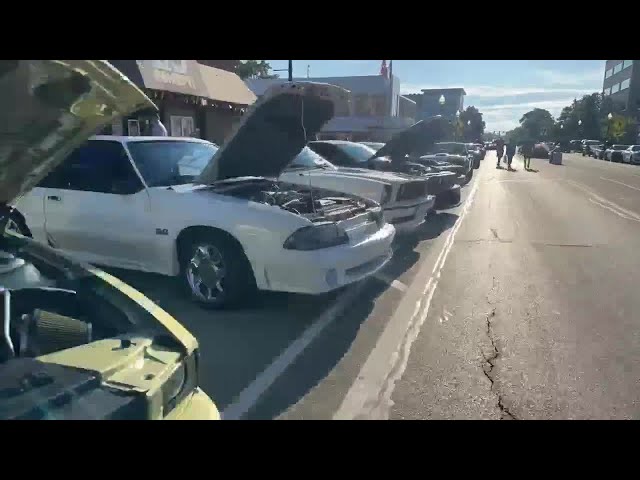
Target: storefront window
{"points": [[182, 126]]}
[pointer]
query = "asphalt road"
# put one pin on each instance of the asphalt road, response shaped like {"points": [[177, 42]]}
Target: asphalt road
{"points": [[521, 303]]}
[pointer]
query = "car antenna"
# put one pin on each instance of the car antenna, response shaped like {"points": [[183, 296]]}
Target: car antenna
{"points": [[313, 202]]}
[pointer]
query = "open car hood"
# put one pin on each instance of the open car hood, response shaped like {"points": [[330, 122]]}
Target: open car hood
{"points": [[417, 137], [275, 130], [49, 108]]}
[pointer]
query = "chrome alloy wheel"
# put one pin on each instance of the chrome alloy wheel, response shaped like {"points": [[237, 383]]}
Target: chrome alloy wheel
{"points": [[206, 273]]}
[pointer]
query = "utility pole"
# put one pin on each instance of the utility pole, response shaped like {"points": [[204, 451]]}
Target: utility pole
{"points": [[291, 70]]}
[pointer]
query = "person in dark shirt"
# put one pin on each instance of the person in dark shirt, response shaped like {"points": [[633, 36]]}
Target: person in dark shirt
{"points": [[527, 152], [510, 152], [499, 150]]}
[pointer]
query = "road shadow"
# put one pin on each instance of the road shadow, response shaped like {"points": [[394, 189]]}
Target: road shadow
{"points": [[237, 344], [329, 349]]}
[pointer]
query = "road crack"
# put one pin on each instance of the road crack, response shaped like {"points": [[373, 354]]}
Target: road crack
{"points": [[488, 366]]}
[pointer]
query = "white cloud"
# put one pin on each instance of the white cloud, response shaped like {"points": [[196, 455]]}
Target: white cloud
{"points": [[486, 91], [593, 77], [507, 116]]}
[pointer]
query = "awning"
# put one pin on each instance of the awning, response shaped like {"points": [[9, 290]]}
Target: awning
{"points": [[187, 77], [225, 86], [180, 76]]}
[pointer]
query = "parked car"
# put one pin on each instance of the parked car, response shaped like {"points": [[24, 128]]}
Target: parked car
{"points": [[217, 218], [631, 154], [586, 146], [614, 153], [450, 152], [393, 157], [490, 145], [576, 145], [475, 153], [483, 150], [404, 199], [595, 151], [436, 165], [78, 342]]}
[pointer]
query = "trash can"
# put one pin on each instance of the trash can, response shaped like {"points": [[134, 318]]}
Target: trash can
{"points": [[555, 157]]}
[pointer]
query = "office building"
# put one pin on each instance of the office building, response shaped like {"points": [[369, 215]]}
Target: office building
{"points": [[622, 84]]}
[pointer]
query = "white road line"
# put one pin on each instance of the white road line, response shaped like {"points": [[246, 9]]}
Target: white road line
{"points": [[249, 397], [608, 204], [620, 183], [370, 395], [606, 207], [398, 285]]}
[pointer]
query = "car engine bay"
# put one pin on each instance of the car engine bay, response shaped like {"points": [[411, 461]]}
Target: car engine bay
{"points": [[42, 314], [317, 205]]}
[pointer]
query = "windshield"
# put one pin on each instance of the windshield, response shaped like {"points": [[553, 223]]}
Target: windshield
{"points": [[307, 158], [620, 147], [357, 151], [451, 148], [170, 162]]}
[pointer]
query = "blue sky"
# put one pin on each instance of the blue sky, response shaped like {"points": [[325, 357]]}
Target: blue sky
{"points": [[503, 90]]}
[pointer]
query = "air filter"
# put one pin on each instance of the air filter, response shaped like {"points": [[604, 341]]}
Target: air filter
{"points": [[54, 332]]}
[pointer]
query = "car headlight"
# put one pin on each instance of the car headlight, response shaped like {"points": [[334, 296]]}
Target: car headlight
{"points": [[386, 195], [315, 237], [174, 386]]}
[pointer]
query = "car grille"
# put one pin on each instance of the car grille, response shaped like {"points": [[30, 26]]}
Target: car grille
{"points": [[412, 190]]}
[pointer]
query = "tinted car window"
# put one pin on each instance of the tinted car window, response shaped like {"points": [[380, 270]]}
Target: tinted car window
{"points": [[170, 162], [327, 150], [95, 167]]}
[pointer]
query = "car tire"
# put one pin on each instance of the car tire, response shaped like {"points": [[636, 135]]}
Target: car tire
{"points": [[211, 254], [469, 175], [448, 198]]}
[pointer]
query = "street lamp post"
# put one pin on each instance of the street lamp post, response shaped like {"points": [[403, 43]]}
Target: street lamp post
{"points": [[609, 117], [290, 70]]}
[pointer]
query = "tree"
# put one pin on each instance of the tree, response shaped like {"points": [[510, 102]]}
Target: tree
{"points": [[255, 69], [538, 124], [623, 129], [472, 124]]}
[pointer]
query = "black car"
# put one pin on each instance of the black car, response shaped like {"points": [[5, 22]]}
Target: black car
{"points": [[451, 152], [393, 156]]}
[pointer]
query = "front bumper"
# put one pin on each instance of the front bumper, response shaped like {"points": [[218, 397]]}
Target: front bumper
{"points": [[320, 271], [197, 406], [407, 218]]}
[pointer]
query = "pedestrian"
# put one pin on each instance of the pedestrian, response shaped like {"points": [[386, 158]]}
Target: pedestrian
{"points": [[154, 124], [510, 152], [499, 150], [157, 128], [527, 152]]}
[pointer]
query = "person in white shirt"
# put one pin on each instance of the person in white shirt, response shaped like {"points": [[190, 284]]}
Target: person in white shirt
{"points": [[157, 128]]}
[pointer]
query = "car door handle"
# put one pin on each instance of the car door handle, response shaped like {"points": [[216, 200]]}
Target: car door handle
{"points": [[54, 198]]}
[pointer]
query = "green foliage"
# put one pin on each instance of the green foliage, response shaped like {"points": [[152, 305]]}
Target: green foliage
{"points": [[255, 69], [584, 118], [622, 129], [471, 123]]}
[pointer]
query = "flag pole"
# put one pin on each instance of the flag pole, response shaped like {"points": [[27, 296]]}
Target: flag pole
{"points": [[391, 87]]}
